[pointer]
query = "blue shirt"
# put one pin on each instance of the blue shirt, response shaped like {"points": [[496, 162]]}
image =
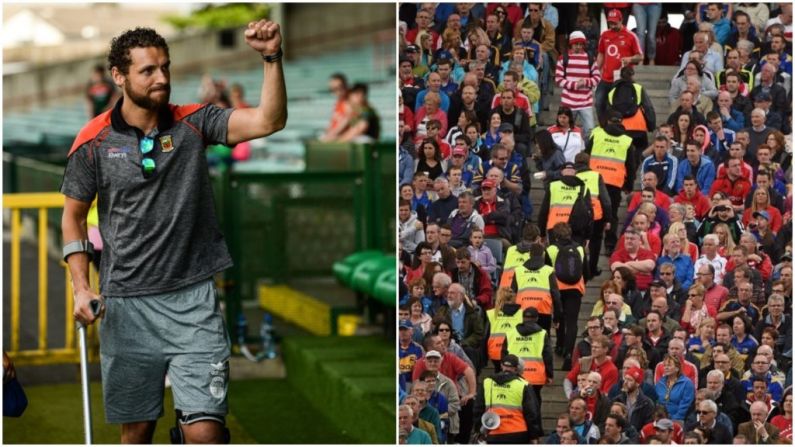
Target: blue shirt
{"points": [[457, 317], [745, 347], [684, 268]]}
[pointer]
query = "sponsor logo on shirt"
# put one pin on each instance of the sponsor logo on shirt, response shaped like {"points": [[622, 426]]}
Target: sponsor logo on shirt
{"points": [[119, 152]]}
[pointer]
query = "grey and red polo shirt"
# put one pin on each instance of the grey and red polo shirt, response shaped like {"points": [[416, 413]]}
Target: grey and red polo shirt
{"points": [[159, 233]]}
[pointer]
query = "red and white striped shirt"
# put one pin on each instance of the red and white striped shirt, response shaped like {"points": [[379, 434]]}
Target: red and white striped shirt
{"points": [[572, 96]]}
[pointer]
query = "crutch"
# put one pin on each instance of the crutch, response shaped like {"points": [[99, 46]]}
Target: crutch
{"points": [[96, 307]]}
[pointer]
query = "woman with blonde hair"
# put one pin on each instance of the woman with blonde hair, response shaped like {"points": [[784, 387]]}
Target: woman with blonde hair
{"points": [[696, 309], [679, 229], [506, 313], [725, 240], [424, 43], [704, 336], [608, 286], [761, 206]]}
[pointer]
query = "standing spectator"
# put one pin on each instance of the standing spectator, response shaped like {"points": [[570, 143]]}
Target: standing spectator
{"points": [[101, 93], [674, 390], [618, 48], [496, 213], [474, 280], [646, 16], [463, 220], [668, 43], [577, 75], [340, 117], [720, 24], [566, 135], [465, 318]]}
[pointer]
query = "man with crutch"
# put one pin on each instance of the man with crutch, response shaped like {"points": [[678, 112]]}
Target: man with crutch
{"points": [[145, 161]]}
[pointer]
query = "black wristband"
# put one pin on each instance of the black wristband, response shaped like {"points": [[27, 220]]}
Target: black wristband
{"points": [[273, 57]]}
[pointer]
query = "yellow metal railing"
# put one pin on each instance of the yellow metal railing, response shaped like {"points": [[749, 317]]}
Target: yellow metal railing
{"points": [[43, 354]]}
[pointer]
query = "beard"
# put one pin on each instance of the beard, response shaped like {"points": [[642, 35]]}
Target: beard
{"points": [[146, 102]]}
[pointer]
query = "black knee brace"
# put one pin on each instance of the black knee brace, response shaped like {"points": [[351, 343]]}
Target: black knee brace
{"points": [[178, 437]]}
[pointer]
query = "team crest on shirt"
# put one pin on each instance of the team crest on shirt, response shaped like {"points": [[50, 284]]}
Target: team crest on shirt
{"points": [[166, 144]]}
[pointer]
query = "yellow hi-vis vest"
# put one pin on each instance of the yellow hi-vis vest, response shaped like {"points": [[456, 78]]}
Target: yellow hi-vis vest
{"points": [[501, 325], [529, 350], [561, 200], [591, 180], [514, 258], [609, 156], [506, 400], [638, 120], [532, 289], [552, 252]]}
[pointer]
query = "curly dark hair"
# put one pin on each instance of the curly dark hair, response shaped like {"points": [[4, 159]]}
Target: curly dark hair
{"points": [[119, 55]]}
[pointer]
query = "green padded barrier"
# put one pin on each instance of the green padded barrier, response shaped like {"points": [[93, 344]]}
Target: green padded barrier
{"points": [[343, 270], [365, 274], [385, 289]]}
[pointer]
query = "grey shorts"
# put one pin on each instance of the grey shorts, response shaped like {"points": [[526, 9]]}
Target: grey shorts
{"points": [[181, 333]]}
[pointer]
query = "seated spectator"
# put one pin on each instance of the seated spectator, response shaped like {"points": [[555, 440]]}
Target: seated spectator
{"points": [[783, 420], [768, 85], [692, 69], [742, 340], [711, 257], [599, 362], [740, 306], [686, 105], [676, 348], [431, 110], [757, 132], [583, 425], [722, 214], [430, 160], [720, 138], [411, 229], [511, 114], [656, 339], [467, 323], [713, 61], [474, 279], [760, 369], [649, 180], [707, 422], [674, 389], [757, 430], [496, 213], [480, 254], [733, 185], [695, 165], [640, 261], [730, 117], [663, 165], [408, 431], [672, 253], [631, 297], [695, 310], [463, 219]]}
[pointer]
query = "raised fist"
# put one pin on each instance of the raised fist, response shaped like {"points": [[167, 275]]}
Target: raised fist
{"points": [[264, 36]]}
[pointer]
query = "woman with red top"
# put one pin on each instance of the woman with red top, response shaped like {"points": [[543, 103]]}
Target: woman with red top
{"points": [[761, 203], [783, 420]]}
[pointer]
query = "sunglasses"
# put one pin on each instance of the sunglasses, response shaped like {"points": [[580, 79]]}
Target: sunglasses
{"points": [[703, 412], [443, 330], [146, 146]]}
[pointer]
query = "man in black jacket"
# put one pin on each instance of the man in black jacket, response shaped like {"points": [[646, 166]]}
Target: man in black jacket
{"points": [[640, 407]]}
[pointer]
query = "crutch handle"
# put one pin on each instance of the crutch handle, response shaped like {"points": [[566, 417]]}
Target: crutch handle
{"points": [[96, 309]]}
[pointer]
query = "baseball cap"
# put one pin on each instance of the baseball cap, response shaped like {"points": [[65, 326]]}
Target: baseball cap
{"points": [[636, 374], [530, 312], [762, 213], [664, 424], [411, 49], [657, 283], [405, 59], [488, 183], [433, 354], [786, 257], [614, 15], [577, 37], [405, 324], [510, 360], [568, 165], [459, 151], [506, 127]]}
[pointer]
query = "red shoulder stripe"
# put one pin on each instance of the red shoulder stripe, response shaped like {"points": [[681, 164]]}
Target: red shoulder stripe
{"points": [[181, 112], [91, 130]]}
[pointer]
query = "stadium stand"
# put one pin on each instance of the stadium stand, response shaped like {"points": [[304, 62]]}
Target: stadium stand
{"points": [[425, 322]]}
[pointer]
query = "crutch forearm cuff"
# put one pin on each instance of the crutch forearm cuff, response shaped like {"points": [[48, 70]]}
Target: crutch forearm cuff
{"points": [[80, 246]]}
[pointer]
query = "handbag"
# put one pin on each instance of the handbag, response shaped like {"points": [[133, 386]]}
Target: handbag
{"points": [[14, 399]]}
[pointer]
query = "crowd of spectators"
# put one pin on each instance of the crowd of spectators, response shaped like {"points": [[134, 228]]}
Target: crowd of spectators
{"points": [[690, 338]]}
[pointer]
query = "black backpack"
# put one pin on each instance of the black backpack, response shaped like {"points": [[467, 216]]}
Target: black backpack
{"points": [[625, 100], [568, 265], [581, 217]]}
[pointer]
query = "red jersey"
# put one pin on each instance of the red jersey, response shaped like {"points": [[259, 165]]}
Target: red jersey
{"points": [[661, 200], [642, 279], [484, 208], [699, 201], [736, 190], [615, 45], [607, 369]]}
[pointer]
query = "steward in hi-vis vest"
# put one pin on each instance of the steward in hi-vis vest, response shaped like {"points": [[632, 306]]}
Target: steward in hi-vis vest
{"points": [[567, 200], [535, 286], [602, 209], [508, 395], [502, 323], [532, 346], [519, 254], [613, 157], [637, 111]]}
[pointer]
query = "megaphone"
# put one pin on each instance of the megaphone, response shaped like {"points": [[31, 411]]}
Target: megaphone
{"points": [[490, 420]]}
